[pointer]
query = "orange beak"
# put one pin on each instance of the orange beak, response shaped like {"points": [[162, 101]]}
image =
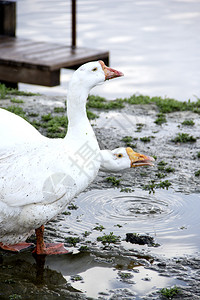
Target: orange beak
{"points": [[109, 72], [138, 159]]}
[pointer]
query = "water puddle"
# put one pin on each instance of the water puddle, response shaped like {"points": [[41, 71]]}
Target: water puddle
{"points": [[125, 270], [171, 218], [65, 275], [141, 282]]}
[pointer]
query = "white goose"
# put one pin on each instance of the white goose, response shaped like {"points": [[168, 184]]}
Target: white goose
{"points": [[39, 178]]}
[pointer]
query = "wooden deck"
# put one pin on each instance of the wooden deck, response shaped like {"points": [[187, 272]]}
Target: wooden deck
{"points": [[35, 62]]}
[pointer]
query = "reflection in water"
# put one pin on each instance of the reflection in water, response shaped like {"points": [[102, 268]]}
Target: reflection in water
{"points": [[155, 43], [171, 218], [22, 275], [52, 276]]}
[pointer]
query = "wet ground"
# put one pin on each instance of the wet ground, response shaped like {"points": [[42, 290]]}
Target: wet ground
{"points": [[162, 202]]}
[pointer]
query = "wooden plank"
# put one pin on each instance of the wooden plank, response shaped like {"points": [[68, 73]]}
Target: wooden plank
{"points": [[29, 52], [81, 56], [37, 62], [12, 46], [23, 60], [6, 40], [65, 57], [29, 75], [67, 61], [49, 55], [26, 47]]}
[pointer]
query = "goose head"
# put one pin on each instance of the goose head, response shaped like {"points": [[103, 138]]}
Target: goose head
{"points": [[122, 158], [94, 73]]}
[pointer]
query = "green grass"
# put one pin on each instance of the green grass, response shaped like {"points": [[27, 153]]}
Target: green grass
{"points": [[56, 126], [72, 240], [161, 185], [21, 93], [5, 92], [169, 293], [47, 117], [198, 154], [14, 100], [33, 114], [184, 138], [188, 123], [86, 233], [113, 180], [160, 175], [197, 173], [128, 140], [108, 239], [139, 127], [145, 139], [161, 118], [76, 278], [72, 206], [162, 163], [161, 167], [169, 170], [66, 213], [102, 103], [164, 184], [83, 248], [91, 115], [59, 109], [99, 228], [165, 105]]}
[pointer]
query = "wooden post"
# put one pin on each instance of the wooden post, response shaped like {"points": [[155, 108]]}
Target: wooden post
{"points": [[8, 26], [73, 24], [7, 18]]}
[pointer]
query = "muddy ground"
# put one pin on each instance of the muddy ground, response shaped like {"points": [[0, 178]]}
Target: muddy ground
{"points": [[176, 167]]}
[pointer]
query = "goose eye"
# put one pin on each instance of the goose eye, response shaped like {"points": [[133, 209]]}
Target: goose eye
{"points": [[119, 155], [94, 69]]}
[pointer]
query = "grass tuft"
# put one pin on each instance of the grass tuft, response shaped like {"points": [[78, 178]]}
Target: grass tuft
{"points": [[160, 119], [102, 103], [188, 123], [109, 238], [184, 138], [197, 173], [165, 105], [113, 180], [169, 293]]}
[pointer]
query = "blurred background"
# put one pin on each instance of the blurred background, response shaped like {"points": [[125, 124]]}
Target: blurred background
{"points": [[155, 43]]}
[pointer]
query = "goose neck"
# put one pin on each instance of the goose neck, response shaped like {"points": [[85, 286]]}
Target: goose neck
{"points": [[76, 105]]}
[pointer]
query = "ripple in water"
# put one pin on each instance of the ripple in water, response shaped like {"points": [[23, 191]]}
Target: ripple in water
{"points": [[172, 218]]}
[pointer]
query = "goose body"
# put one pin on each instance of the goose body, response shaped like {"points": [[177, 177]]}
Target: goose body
{"points": [[39, 176], [35, 189], [15, 130]]}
